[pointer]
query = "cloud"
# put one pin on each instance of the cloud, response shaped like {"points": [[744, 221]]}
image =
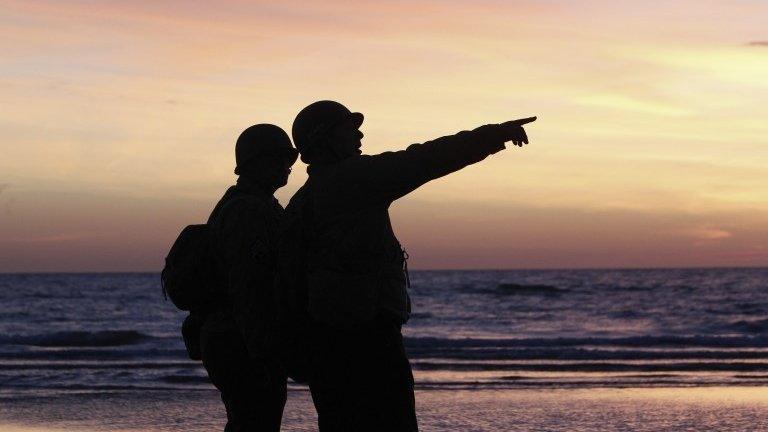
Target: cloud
{"points": [[631, 103], [3, 187], [55, 238], [708, 233], [762, 43]]}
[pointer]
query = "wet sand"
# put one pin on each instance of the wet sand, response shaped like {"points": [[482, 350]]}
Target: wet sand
{"points": [[632, 409]]}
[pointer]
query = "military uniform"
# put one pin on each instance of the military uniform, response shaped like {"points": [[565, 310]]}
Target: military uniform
{"points": [[358, 300], [235, 335]]}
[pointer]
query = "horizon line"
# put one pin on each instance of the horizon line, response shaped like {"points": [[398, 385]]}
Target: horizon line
{"points": [[748, 267]]}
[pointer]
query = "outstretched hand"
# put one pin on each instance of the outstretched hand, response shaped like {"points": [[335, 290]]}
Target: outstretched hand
{"points": [[514, 132], [511, 131]]}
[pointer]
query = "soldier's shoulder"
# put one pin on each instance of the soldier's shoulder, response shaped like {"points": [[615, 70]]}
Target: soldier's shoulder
{"points": [[358, 164], [298, 199]]}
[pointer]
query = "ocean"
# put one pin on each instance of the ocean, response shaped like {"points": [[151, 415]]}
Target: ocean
{"points": [[64, 335]]}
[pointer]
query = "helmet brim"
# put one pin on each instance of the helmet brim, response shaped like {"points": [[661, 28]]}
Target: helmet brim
{"points": [[355, 119]]}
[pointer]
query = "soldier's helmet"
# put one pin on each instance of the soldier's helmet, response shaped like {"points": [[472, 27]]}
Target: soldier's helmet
{"points": [[262, 140], [313, 123]]}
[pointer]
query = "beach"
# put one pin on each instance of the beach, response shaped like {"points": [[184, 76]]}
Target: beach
{"points": [[606, 409], [560, 206]]}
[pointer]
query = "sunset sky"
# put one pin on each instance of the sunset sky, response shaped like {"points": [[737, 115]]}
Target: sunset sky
{"points": [[118, 121]]}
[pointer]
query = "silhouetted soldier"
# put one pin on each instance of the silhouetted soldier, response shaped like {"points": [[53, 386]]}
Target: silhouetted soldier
{"points": [[357, 297], [235, 336]]}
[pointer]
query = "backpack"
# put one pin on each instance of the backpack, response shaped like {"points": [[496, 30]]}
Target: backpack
{"points": [[293, 323], [189, 275], [192, 276]]}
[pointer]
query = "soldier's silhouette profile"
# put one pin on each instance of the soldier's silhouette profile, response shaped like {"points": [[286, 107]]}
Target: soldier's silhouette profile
{"points": [[235, 332], [356, 273]]}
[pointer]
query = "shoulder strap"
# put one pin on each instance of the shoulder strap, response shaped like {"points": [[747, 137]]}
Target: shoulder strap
{"points": [[230, 197], [228, 205]]}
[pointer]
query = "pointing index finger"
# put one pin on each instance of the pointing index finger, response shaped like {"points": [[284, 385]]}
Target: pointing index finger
{"points": [[518, 122]]}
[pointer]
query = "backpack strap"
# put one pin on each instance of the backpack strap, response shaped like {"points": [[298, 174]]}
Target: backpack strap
{"points": [[233, 194], [230, 197]]}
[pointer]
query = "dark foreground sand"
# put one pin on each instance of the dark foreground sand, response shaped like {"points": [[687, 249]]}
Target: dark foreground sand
{"points": [[637, 409]]}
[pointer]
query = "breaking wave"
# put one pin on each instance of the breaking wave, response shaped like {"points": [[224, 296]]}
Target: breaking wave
{"points": [[105, 338], [631, 341]]}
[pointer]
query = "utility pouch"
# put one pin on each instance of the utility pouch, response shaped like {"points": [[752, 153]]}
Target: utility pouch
{"points": [[394, 300], [342, 299], [190, 331]]}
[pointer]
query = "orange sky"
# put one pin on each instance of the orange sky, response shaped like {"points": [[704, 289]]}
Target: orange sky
{"points": [[118, 121]]}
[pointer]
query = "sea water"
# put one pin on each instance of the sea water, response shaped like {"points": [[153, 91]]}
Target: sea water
{"points": [[65, 334]]}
